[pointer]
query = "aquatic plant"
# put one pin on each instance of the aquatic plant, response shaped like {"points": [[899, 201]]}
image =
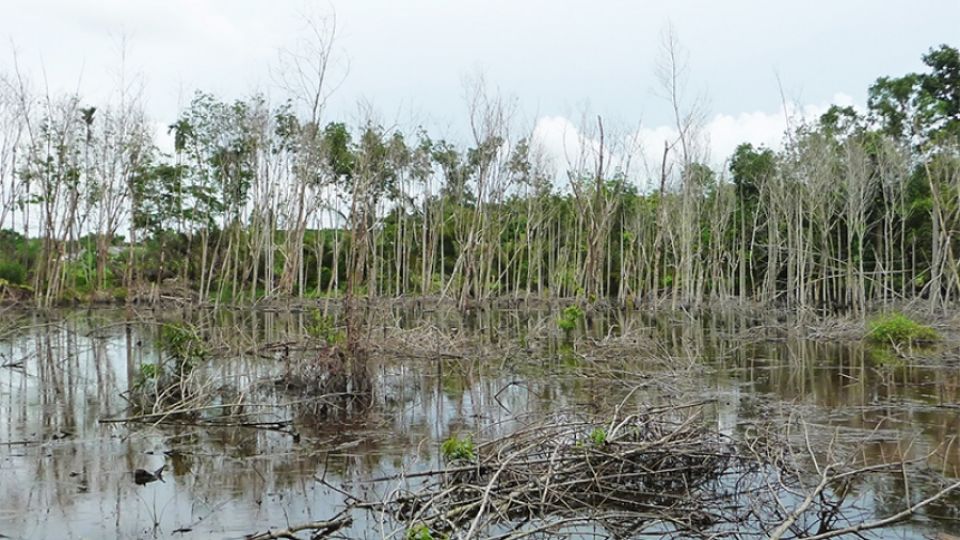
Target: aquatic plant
{"points": [[457, 448], [420, 531], [148, 372], [898, 329], [324, 328], [170, 381], [182, 342], [598, 436], [569, 318]]}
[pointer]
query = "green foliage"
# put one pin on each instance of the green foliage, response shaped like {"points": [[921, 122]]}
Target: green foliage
{"points": [[458, 449], [598, 436], [119, 294], [13, 273], [183, 343], [162, 383], [324, 328], [160, 199], [148, 372], [568, 355], [420, 531], [841, 122], [569, 318], [897, 328], [922, 107], [751, 167], [220, 142], [82, 271], [337, 141], [884, 356], [17, 255]]}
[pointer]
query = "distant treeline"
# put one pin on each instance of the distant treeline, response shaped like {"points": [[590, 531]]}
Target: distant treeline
{"points": [[265, 202]]}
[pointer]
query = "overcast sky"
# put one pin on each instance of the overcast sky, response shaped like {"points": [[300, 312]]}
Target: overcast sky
{"points": [[408, 58]]}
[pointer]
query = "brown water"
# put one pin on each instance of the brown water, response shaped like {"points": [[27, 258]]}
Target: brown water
{"points": [[66, 474]]}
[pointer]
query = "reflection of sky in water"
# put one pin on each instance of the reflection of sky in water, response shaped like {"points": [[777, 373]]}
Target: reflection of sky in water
{"points": [[64, 475]]}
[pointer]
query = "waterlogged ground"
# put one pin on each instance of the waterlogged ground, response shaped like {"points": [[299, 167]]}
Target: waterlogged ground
{"points": [[66, 469]]}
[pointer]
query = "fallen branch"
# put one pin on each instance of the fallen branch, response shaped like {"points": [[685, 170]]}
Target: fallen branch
{"points": [[322, 529]]}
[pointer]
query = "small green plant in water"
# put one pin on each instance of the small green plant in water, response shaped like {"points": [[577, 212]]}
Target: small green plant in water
{"points": [[884, 356], [898, 329], [182, 342], [148, 372], [569, 318], [598, 436], [568, 355], [164, 383], [324, 328], [420, 531], [458, 449]]}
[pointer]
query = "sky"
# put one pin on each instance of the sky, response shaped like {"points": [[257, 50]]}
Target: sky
{"points": [[556, 59]]}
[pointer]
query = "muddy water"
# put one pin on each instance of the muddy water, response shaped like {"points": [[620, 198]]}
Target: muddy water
{"points": [[66, 471]]}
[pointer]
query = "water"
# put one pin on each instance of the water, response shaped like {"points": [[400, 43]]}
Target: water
{"points": [[65, 473]]}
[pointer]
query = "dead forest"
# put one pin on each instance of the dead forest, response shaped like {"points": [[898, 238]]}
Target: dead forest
{"points": [[259, 201], [461, 337]]}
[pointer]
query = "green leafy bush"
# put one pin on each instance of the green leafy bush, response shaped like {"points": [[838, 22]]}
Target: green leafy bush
{"points": [[569, 318], [168, 381], [899, 329], [456, 448], [420, 531], [184, 345], [598, 436], [324, 328], [148, 372], [13, 273]]}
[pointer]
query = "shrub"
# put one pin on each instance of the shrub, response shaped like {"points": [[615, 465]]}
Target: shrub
{"points": [[598, 436], [569, 317], [148, 372], [167, 382], [455, 448], [13, 273], [899, 329], [420, 531], [325, 329], [183, 344]]}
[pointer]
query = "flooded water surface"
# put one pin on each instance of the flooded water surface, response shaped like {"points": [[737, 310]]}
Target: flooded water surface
{"points": [[287, 454]]}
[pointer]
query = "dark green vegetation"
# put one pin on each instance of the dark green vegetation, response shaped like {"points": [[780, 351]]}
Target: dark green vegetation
{"points": [[165, 383], [898, 329], [569, 318], [269, 202], [458, 449]]}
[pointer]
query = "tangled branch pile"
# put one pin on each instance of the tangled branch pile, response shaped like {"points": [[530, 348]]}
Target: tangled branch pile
{"points": [[662, 472], [622, 475]]}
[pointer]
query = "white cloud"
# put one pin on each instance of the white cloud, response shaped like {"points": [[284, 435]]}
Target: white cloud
{"points": [[559, 139], [726, 132]]}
